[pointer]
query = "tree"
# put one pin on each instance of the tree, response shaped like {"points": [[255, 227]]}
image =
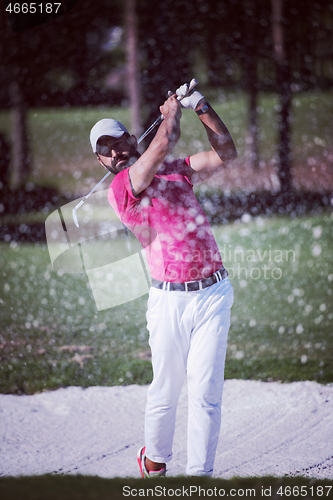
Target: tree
{"points": [[283, 87], [164, 42], [20, 156], [133, 84], [250, 63]]}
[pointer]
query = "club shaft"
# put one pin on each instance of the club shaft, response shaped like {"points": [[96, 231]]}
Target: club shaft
{"points": [[95, 187], [152, 126]]}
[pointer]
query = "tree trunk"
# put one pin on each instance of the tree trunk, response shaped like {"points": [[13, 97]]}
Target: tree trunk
{"points": [[21, 161], [133, 81], [283, 86], [252, 141]]}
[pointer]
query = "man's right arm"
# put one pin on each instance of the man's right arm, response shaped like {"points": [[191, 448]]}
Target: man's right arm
{"points": [[144, 169]]}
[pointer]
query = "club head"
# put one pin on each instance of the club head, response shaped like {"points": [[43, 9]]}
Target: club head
{"points": [[75, 219]]}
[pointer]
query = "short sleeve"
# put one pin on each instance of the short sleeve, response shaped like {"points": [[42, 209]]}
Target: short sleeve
{"points": [[120, 195]]}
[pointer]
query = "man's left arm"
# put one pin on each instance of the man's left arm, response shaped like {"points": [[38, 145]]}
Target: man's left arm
{"points": [[223, 150]]}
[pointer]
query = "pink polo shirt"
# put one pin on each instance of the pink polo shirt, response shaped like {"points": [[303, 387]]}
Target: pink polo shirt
{"points": [[169, 223]]}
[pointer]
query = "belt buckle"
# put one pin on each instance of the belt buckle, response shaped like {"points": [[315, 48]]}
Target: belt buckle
{"points": [[187, 282]]}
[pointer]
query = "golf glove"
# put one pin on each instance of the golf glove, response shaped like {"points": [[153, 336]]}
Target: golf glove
{"points": [[192, 100]]}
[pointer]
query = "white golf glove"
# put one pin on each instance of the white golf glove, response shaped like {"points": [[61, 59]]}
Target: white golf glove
{"points": [[190, 101]]}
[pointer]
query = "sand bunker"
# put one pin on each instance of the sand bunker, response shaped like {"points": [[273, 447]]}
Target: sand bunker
{"points": [[267, 429]]}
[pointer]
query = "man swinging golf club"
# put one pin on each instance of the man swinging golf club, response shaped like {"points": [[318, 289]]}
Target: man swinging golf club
{"points": [[190, 298]]}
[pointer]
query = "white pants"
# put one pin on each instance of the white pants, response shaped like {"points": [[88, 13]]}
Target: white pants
{"points": [[188, 333]]}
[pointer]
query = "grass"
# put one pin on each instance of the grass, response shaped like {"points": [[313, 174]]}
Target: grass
{"points": [[282, 322], [87, 487], [282, 318], [62, 155]]}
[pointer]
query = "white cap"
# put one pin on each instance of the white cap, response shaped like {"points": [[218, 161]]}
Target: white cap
{"points": [[107, 126]]}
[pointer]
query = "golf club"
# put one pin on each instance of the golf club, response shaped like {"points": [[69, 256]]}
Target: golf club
{"points": [[157, 122]]}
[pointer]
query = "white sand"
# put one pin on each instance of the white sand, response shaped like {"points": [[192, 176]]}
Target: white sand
{"points": [[267, 429]]}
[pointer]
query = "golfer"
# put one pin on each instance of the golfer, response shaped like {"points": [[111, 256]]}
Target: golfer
{"points": [[189, 303]]}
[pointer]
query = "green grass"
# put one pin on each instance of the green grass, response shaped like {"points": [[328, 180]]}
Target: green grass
{"points": [[87, 487], [62, 154], [25, 218], [282, 321], [282, 324]]}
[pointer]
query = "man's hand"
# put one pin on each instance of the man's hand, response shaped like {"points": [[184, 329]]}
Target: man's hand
{"points": [[173, 106], [192, 100], [143, 171]]}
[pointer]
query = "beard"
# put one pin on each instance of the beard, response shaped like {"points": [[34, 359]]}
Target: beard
{"points": [[123, 161]]}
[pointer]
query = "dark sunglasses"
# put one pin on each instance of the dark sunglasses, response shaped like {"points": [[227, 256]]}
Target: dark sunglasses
{"points": [[104, 150], [105, 145]]}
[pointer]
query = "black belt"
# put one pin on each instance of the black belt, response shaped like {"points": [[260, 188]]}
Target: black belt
{"points": [[191, 286]]}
